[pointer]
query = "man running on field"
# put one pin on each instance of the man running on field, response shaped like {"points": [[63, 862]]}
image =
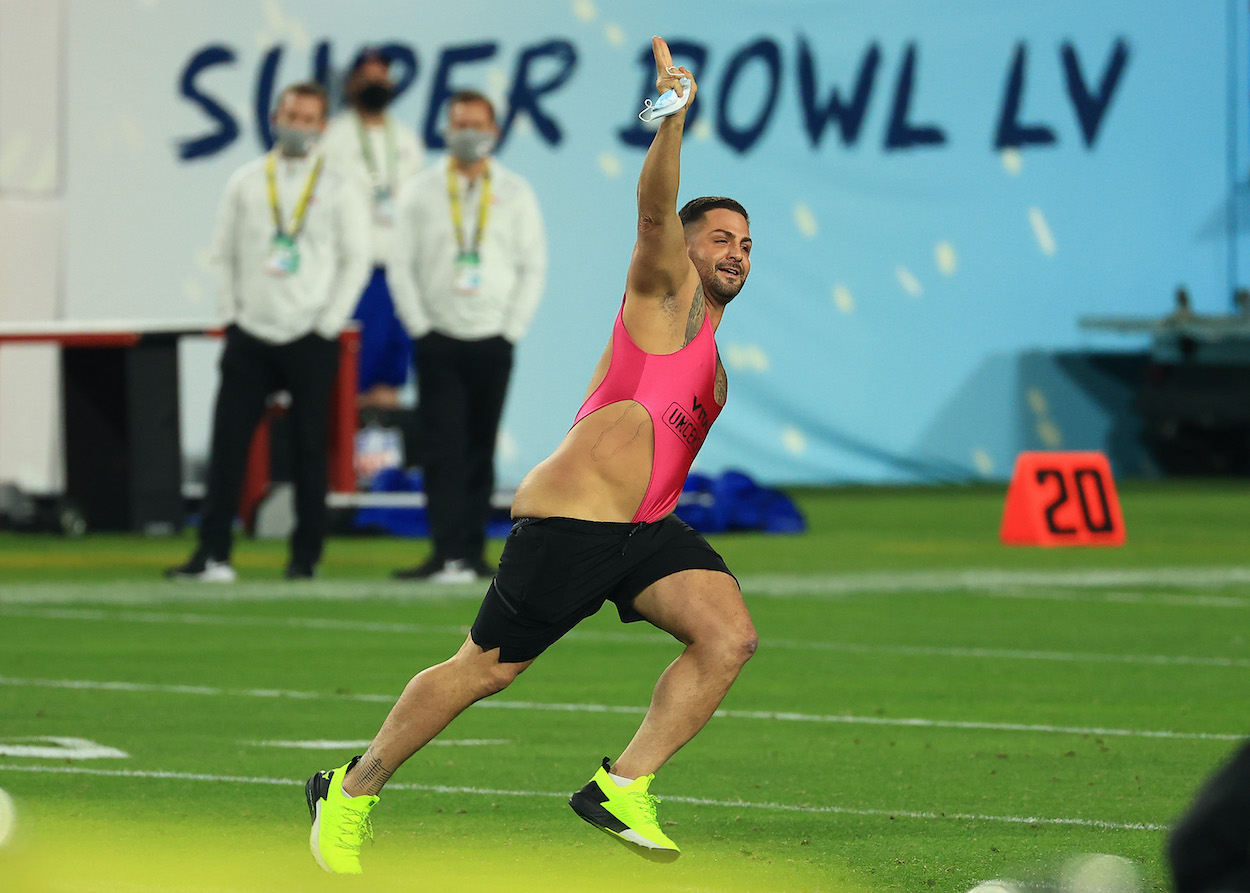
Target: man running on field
{"points": [[593, 524]]}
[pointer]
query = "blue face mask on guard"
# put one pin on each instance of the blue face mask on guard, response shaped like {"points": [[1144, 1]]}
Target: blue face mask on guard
{"points": [[470, 144], [294, 141]]}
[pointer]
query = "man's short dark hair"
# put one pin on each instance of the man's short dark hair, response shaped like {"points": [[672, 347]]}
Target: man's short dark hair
{"points": [[471, 96], [307, 88], [696, 209], [369, 54]]}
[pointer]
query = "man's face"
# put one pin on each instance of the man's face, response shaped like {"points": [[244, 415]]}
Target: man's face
{"points": [[471, 116], [301, 112], [720, 248], [371, 71]]}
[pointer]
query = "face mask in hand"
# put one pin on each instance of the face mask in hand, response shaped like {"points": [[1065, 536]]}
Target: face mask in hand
{"points": [[294, 140], [470, 144], [373, 97]]}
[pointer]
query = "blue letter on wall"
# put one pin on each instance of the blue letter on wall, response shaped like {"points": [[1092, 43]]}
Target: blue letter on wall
{"points": [[227, 127], [525, 95], [901, 134], [849, 116], [442, 89], [742, 139], [1090, 109], [1011, 133]]}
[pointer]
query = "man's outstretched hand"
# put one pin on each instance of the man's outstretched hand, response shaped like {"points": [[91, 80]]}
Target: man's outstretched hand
{"points": [[666, 76]]}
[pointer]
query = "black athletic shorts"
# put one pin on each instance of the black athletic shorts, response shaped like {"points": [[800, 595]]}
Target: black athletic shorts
{"points": [[556, 572]]}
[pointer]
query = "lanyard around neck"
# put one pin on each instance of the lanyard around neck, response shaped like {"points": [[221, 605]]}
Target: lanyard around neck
{"points": [[366, 150], [457, 214], [301, 207]]}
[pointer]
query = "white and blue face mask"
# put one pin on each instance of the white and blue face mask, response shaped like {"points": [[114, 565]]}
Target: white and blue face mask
{"points": [[294, 140], [470, 144]]}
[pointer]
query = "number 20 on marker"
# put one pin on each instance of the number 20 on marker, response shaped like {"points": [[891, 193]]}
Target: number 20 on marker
{"points": [[1062, 499]]}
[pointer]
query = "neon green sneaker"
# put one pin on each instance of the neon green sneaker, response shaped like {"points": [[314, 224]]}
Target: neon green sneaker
{"points": [[340, 826], [626, 813]]}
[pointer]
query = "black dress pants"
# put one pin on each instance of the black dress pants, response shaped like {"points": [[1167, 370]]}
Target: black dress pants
{"points": [[461, 386], [1209, 848], [252, 370]]}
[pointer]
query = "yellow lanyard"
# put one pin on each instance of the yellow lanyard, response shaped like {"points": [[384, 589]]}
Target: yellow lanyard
{"points": [[366, 152], [301, 207], [457, 215]]}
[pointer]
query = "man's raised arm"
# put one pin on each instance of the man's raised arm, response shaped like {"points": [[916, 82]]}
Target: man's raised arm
{"points": [[660, 264]]}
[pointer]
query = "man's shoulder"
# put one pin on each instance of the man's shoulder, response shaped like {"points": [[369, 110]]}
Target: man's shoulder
{"points": [[508, 182], [253, 168], [343, 122], [404, 131]]}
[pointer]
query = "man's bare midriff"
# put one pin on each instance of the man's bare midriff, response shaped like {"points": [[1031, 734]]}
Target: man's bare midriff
{"points": [[599, 472]]}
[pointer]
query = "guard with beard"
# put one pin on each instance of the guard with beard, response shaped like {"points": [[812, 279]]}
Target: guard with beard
{"points": [[381, 153], [468, 271]]}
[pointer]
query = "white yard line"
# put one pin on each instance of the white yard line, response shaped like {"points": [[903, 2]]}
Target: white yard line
{"points": [[498, 704], [985, 581], [323, 744], [625, 638], [696, 801]]}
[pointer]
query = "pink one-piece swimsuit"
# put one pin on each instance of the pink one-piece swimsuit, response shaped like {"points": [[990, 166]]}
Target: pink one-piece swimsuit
{"points": [[678, 391]]}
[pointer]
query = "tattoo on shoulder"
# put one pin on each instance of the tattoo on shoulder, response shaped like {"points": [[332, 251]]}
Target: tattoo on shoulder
{"points": [[698, 310]]}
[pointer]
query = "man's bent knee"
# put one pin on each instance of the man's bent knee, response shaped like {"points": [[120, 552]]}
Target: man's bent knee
{"points": [[487, 673]]}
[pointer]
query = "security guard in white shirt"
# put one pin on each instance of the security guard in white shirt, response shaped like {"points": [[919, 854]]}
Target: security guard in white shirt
{"points": [[382, 153], [467, 273], [292, 243]]}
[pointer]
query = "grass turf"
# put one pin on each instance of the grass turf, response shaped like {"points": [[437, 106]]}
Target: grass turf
{"points": [[908, 724]]}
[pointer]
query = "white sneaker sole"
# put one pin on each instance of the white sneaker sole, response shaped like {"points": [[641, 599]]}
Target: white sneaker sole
{"points": [[314, 840]]}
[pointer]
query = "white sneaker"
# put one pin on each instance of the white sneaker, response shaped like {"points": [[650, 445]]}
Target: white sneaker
{"points": [[203, 571], [455, 570]]}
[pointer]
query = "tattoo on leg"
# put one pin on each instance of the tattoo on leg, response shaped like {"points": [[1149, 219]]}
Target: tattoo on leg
{"points": [[371, 775]]}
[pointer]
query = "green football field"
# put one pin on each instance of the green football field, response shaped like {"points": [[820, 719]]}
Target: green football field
{"points": [[927, 709]]}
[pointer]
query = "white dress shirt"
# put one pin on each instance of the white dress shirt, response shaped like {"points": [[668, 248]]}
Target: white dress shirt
{"points": [[341, 145], [513, 253], [333, 252]]}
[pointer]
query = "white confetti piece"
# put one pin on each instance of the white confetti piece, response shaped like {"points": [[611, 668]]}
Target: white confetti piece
{"points": [[793, 440], [746, 356], [843, 299], [1037, 401], [609, 164], [1050, 434], [585, 10], [907, 279], [1041, 230], [1013, 161], [614, 34], [946, 258], [982, 461], [805, 220]]}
